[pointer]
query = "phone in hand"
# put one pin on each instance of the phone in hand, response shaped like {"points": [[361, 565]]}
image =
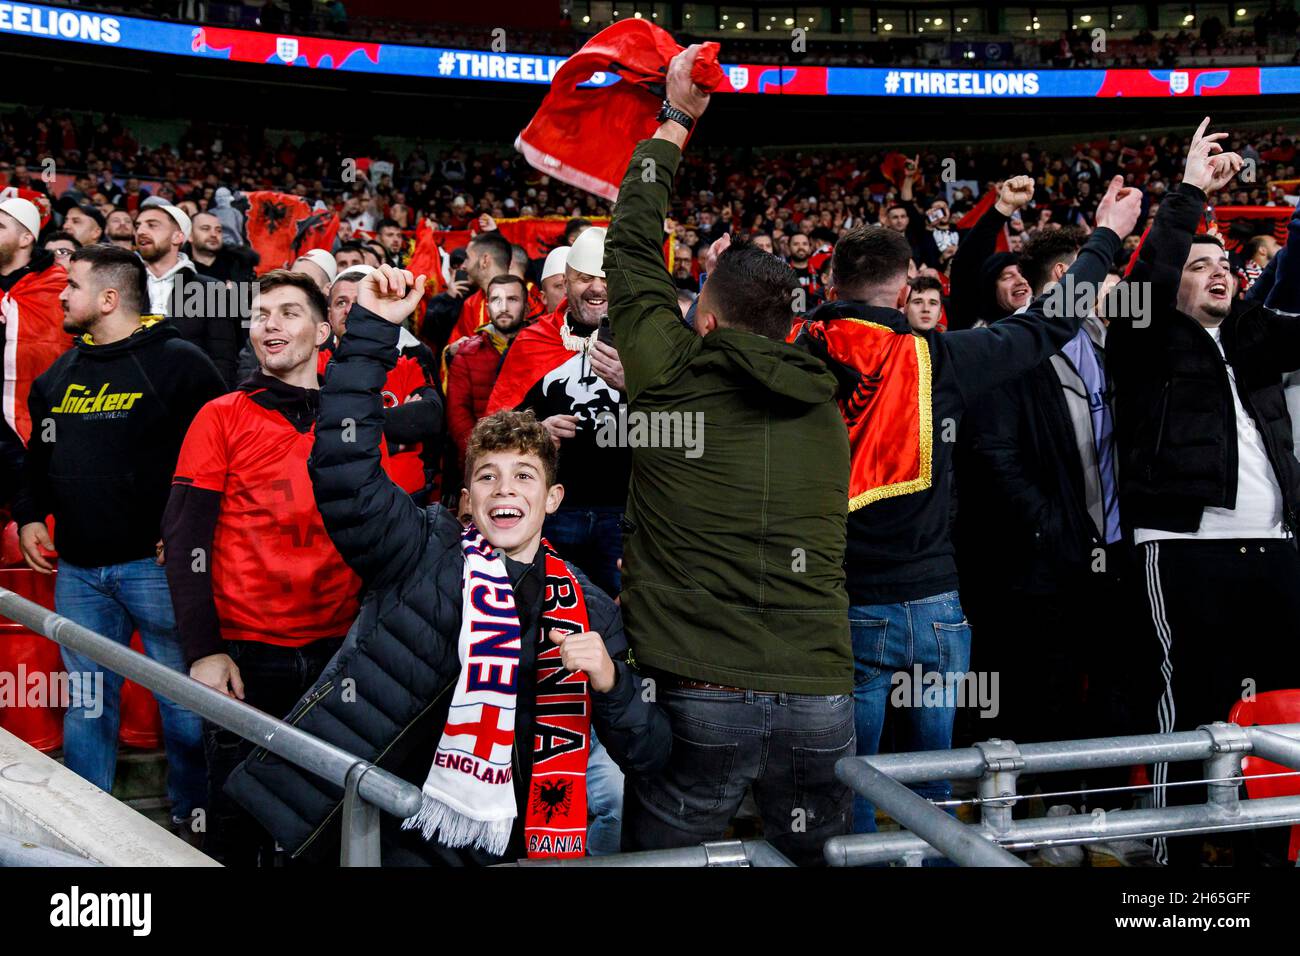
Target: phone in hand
{"points": [[461, 275]]}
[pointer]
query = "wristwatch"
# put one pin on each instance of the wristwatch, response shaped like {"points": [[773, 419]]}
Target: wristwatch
{"points": [[670, 112]]}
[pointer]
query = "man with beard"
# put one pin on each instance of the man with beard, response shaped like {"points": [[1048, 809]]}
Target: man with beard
{"points": [[119, 229], [1208, 477], [268, 609], [31, 335], [457, 313], [120, 403], [473, 372], [200, 307], [800, 253], [566, 369]]}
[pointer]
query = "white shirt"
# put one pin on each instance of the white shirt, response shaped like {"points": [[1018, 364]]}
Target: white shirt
{"points": [[1259, 499], [161, 287]]}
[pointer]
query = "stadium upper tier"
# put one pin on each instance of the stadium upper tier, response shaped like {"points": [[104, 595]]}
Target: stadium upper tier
{"points": [[1060, 36]]}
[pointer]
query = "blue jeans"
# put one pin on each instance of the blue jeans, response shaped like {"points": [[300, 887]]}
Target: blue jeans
{"points": [[895, 639], [112, 601], [592, 539], [604, 801]]}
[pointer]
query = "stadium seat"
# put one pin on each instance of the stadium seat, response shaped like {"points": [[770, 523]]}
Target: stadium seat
{"points": [[25, 652], [1270, 707]]}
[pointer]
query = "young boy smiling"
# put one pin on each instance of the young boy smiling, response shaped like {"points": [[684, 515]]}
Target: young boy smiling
{"points": [[479, 660]]}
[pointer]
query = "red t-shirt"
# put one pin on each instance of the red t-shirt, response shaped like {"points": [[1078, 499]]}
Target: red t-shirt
{"points": [[276, 576], [405, 467]]}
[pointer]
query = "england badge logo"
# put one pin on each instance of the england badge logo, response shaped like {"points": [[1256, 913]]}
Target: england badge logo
{"points": [[286, 48], [1178, 82], [739, 77]]}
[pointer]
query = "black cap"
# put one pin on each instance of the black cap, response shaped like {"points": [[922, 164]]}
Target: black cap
{"points": [[92, 212]]}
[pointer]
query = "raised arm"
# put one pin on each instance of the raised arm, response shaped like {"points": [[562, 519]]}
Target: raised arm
{"points": [[1160, 258], [377, 528], [652, 342], [985, 358]]}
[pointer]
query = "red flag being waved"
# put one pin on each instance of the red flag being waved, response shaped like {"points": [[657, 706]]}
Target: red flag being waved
{"points": [[34, 338], [584, 135], [282, 227]]}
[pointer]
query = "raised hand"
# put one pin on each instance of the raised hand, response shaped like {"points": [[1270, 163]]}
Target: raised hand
{"points": [[390, 293], [1120, 208], [1014, 193], [1201, 170]]}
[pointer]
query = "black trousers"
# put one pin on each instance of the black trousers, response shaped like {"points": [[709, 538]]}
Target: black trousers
{"points": [[275, 678], [1065, 663], [1223, 619]]}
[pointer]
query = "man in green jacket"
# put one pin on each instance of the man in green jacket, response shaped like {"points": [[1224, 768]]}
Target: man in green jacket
{"points": [[733, 588]]}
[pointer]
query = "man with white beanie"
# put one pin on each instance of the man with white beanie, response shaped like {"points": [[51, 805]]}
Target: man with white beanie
{"points": [[552, 281], [31, 328], [203, 310], [320, 265]]}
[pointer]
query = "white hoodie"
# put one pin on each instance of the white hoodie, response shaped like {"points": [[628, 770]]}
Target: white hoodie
{"points": [[160, 287]]}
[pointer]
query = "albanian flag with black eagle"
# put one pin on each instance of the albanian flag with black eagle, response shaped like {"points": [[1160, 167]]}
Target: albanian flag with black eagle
{"points": [[282, 227], [886, 399]]}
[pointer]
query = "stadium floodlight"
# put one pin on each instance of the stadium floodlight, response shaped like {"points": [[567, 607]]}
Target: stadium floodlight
{"points": [[740, 24], [789, 21], [1241, 11], [938, 21], [888, 27], [1086, 18]]}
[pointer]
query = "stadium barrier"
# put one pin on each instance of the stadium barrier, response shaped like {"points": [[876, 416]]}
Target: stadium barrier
{"points": [[997, 765], [367, 789]]}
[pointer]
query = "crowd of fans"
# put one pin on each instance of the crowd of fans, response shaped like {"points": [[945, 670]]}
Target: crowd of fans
{"points": [[305, 492]]}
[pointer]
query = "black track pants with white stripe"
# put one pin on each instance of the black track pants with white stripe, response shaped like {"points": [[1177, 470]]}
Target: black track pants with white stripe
{"points": [[1224, 616]]}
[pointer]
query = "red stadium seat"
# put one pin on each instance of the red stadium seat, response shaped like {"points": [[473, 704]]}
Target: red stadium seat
{"points": [[26, 652], [1270, 707]]}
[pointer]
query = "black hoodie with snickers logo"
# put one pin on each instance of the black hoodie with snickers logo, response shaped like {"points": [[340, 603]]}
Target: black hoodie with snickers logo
{"points": [[107, 426]]}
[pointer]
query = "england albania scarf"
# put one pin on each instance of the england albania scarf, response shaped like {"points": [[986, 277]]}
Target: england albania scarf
{"points": [[584, 135], [469, 795], [888, 411]]}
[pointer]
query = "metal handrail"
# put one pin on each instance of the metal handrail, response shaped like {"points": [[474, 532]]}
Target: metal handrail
{"points": [[360, 779], [960, 843], [1221, 746]]}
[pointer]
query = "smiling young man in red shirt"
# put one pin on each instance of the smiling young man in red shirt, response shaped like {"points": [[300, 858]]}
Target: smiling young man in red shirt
{"points": [[262, 597]]}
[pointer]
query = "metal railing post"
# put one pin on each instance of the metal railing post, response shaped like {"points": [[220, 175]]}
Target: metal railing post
{"points": [[997, 787], [1223, 767], [360, 823], [960, 843]]}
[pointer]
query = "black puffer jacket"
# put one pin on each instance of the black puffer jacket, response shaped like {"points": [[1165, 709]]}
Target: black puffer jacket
{"points": [[401, 653], [1176, 427]]}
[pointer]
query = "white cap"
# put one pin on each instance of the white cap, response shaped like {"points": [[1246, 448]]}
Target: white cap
{"points": [[23, 210], [178, 216], [556, 260], [587, 254], [353, 273], [323, 260]]}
